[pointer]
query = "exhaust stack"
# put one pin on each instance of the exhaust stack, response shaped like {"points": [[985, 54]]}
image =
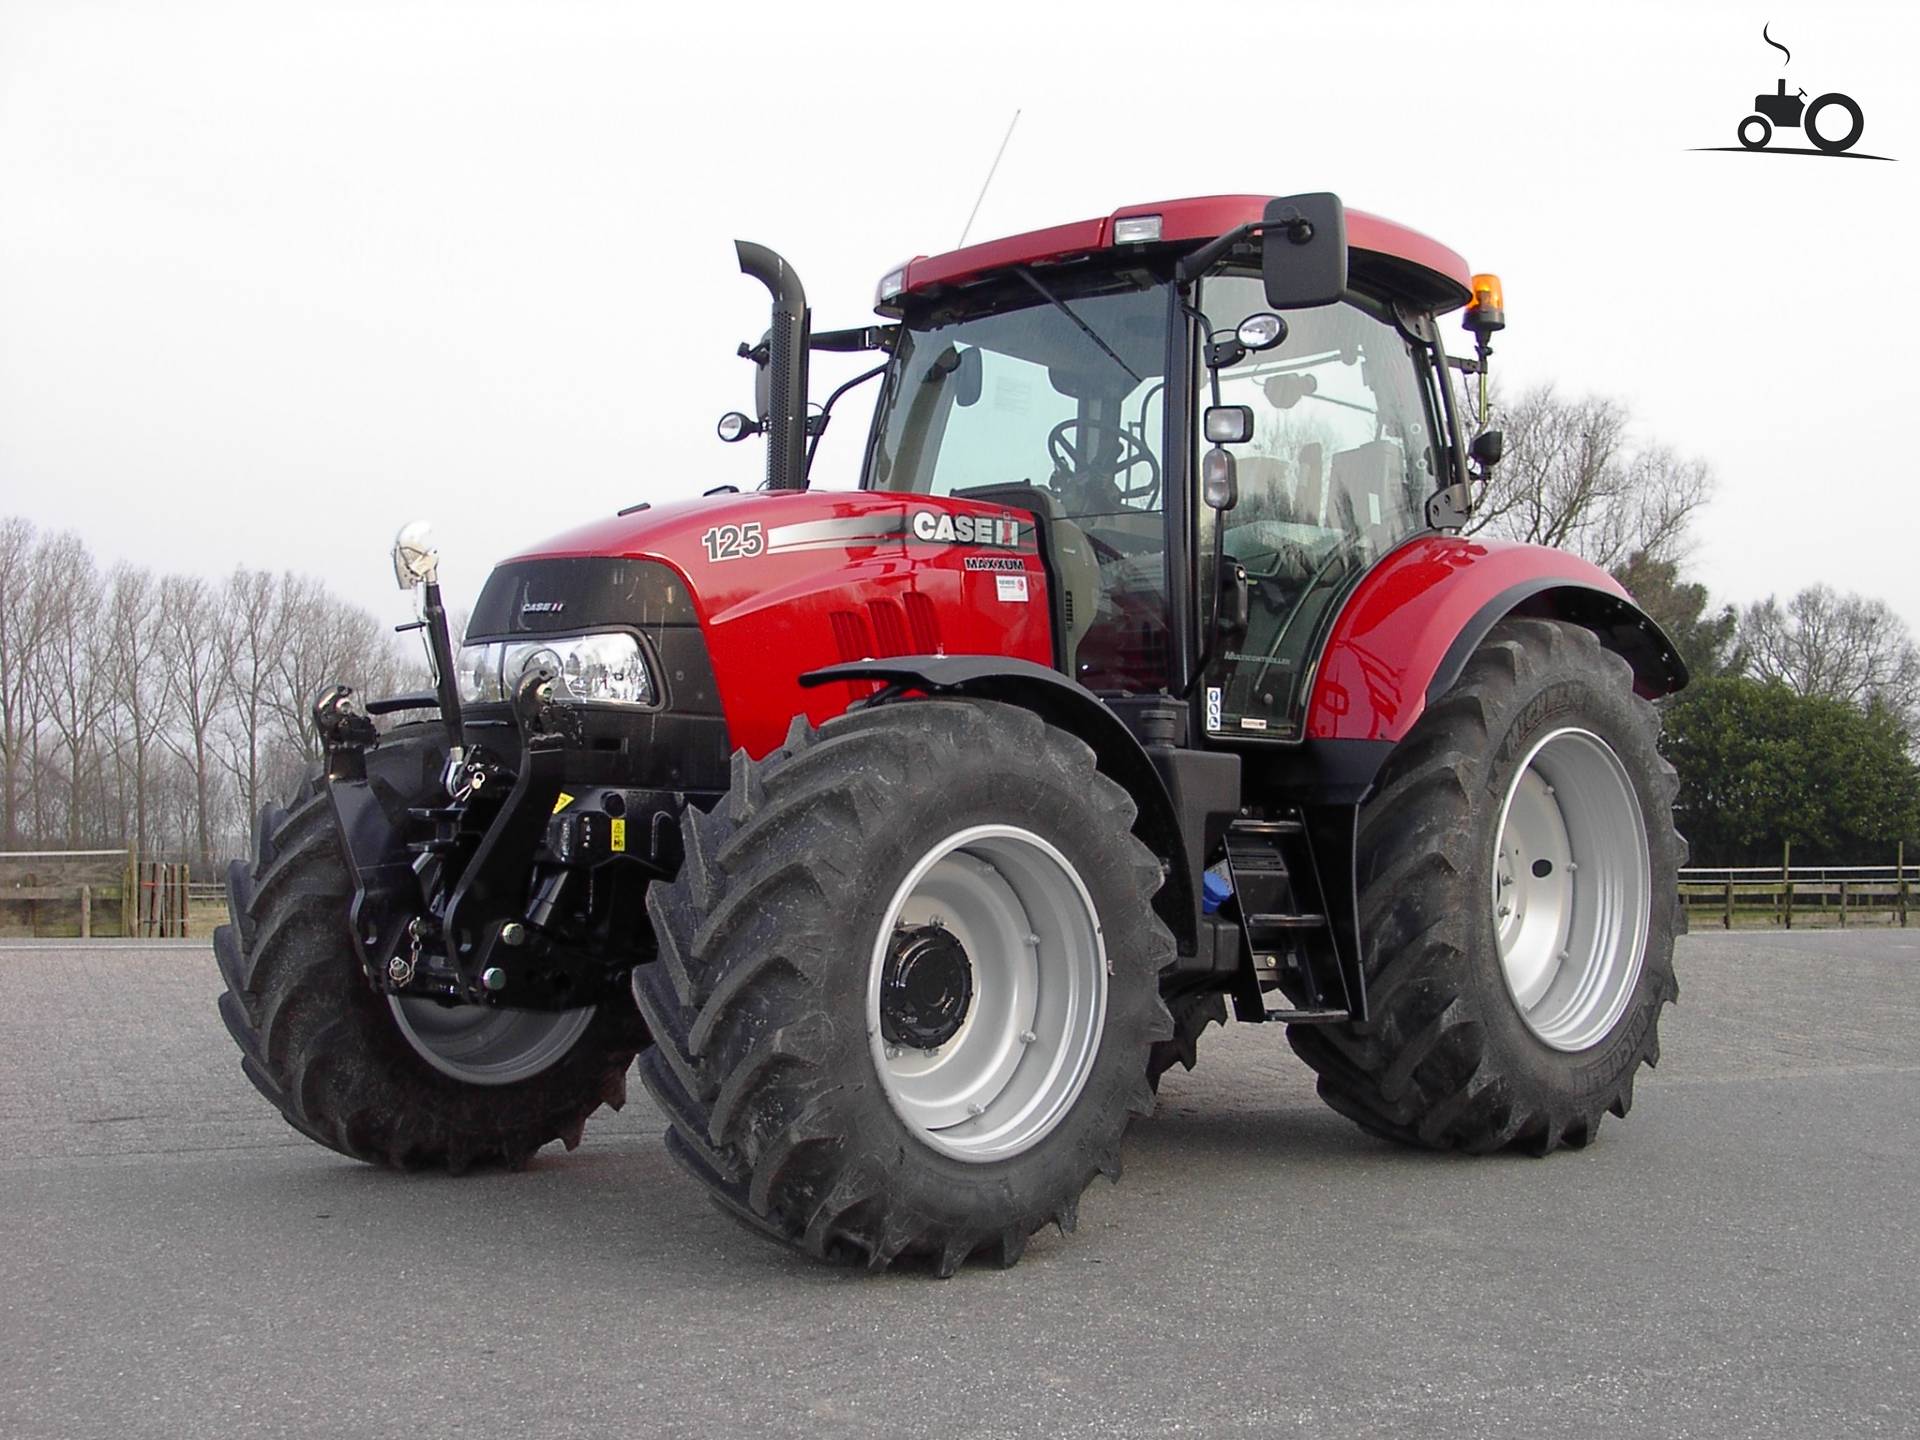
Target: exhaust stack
{"points": [[784, 411]]}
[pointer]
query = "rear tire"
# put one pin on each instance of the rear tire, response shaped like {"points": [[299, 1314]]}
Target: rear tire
{"points": [[797, 1101], [330, 1053], [1480, 1036]]}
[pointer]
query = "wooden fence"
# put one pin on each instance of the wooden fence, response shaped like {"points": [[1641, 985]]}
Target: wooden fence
{"points": [[86, 893], [1838, 895], [161, 907], [90, 893]]}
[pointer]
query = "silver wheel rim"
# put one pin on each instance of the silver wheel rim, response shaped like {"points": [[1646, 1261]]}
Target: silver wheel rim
{"points": [[484, 1045], [1572, 889], [1019, 1059]]}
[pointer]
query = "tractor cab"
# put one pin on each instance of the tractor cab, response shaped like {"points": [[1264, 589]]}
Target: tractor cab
{"points": [[1087, 376]]}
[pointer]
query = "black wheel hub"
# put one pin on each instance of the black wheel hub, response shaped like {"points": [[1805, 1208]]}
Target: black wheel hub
{"points": [[926, 989]]}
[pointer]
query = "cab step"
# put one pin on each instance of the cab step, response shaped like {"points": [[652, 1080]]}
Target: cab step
{"points": [[1269, 827], [1289, 941], [1286, 922]]}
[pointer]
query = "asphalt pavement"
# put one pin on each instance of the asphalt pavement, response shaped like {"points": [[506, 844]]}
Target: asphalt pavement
{"points": [[1737, 1258]]}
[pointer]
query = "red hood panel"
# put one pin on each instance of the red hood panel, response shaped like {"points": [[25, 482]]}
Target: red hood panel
{"points": [[786, 583]]}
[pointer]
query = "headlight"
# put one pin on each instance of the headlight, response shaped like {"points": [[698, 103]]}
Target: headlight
{"points": [[603, 669]]}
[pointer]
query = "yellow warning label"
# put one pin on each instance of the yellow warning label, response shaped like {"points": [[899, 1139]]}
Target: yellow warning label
{"points": [[619, 835], [562, 803]]}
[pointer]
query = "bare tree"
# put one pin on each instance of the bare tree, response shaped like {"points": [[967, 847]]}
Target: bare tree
{"points": [[322, 640], [1845, 647], [126, 703], [250, 626], [22, 629], [75, 685], [1575, 477], [192, 650], [135, 636]]}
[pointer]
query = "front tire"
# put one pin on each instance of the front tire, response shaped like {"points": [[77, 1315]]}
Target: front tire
{"points": [[408, 1084], [907, 985], [1518, 879]]}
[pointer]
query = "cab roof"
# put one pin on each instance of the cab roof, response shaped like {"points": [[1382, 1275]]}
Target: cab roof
{"points": [[1410, 262]]}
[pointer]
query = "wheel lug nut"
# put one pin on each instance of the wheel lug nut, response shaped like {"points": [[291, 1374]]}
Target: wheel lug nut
{"points": [[1027, 1037]]}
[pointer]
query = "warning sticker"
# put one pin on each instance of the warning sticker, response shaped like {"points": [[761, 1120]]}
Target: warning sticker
{"points": [[562, 803], [618, 837], [1011, 587]]}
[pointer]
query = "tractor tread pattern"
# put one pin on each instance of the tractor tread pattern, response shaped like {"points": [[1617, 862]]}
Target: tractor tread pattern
{"points": [[1420, 1069], [741, 1066], [321, 1045]]}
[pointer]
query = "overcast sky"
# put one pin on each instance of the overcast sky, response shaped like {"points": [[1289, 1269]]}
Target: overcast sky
{"points": [[276, 278]]}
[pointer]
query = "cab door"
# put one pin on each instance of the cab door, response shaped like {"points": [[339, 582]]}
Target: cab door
{"points": [[1344, 454]]}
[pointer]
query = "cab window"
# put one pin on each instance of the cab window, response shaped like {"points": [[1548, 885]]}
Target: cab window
{"points": [[1342, 459]]}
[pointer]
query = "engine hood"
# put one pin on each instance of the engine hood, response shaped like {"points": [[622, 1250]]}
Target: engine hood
{"points": [[781, 583], [741, 552]]}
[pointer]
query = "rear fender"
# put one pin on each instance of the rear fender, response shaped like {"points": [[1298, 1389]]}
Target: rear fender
{"points": [[1073, 708], [1410, 626]]}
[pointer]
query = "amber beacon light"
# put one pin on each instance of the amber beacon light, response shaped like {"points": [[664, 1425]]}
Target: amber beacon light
{"points": [[1488, 312]]}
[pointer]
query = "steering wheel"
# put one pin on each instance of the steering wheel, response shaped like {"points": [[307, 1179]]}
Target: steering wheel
{"points": [[1106, 453]]}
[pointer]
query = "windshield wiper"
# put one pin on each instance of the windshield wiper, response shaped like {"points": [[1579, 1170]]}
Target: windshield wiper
{"points": [[1085, 329]]}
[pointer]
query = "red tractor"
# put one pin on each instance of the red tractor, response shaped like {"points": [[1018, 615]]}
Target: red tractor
{"points": [[908, 834]]}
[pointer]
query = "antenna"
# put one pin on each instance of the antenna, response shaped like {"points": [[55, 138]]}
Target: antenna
{"points": [[989, 180]]}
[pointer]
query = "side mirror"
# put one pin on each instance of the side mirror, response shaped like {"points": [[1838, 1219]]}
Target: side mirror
{"points": [[1303, 251], [1487, 448], [1228, 424], [959, 370], [416, 561], [1286, 391], [762, 357], [1219, 480], [967, 379]]}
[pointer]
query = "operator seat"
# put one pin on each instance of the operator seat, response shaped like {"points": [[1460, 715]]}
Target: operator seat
{"points": [[1311, 463], [1075, 568], [1362, 483]]}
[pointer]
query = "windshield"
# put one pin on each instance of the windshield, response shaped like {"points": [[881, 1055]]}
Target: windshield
{"points": [[1032, 394], [1053, 404]]}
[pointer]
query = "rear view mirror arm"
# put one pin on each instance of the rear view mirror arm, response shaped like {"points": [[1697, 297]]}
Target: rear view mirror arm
{"points": [[817, 425]]}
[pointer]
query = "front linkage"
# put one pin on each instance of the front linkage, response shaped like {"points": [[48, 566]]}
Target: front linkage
{"points": [[512, 892]]}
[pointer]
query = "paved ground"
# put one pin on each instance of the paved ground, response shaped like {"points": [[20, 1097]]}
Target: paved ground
{"points": [[1737, 1259]]}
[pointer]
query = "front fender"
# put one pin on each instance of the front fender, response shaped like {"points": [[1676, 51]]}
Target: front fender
{"points": [[1073, 708], [1411, 624]]}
